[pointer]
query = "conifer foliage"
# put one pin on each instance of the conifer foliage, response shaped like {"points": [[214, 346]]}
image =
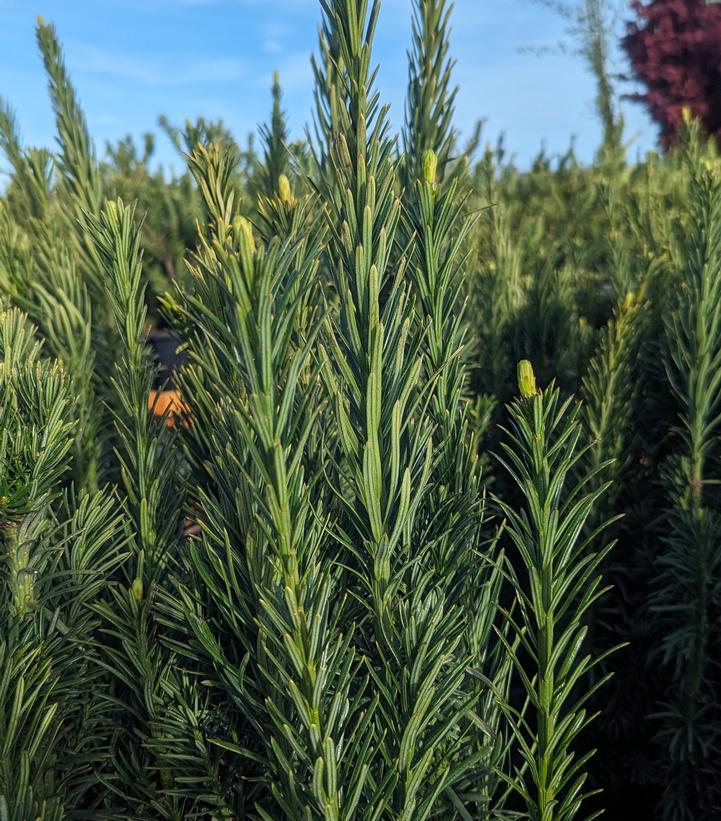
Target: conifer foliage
{"points": [[689, 566], [358, 567]]}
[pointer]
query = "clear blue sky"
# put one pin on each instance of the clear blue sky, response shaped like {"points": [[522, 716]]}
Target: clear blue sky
{"points": [[132, 60]]}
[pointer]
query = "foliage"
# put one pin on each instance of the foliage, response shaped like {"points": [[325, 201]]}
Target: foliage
{"points": [[673, 46], [59, 552], [688, 580], [308, 589], [563, 582]]}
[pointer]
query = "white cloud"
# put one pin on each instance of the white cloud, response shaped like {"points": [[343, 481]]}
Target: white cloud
{"points": [[158, 71]]}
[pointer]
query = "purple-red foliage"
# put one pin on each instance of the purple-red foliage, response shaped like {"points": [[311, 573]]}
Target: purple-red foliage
{"points": [[675, 51]]}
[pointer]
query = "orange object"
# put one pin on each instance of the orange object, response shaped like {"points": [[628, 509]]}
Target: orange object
{"points": [[167, 402]]}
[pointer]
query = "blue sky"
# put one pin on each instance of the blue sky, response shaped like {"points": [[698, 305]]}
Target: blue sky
{"points": [[132, 60]]}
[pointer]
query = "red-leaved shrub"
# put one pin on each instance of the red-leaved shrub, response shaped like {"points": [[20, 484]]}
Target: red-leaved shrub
{"points": [[675, 51]]}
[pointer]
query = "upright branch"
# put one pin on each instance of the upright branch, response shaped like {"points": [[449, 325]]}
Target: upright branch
{"points": [[44, 279], [376, 377], [57, 551], [608, 393], [451, 516], [151, 491], [68, 268], [439, 231], [430, 101], [561, 566], [32, 170], [148, 463], [689, 567], [275, 138], [263, 565], [77, 162]]}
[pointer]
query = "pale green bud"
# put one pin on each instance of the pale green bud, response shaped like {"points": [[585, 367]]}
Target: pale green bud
{"points": [[343, 152], [284, 190], [244, 229], [430, 166], [526, 379], [137, 588]]}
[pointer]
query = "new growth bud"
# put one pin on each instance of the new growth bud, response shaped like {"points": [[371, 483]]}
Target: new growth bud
{"points": [[526, 379], [137, 589], [430, 166], [284, 190], [244, 229], [343, 152]]}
